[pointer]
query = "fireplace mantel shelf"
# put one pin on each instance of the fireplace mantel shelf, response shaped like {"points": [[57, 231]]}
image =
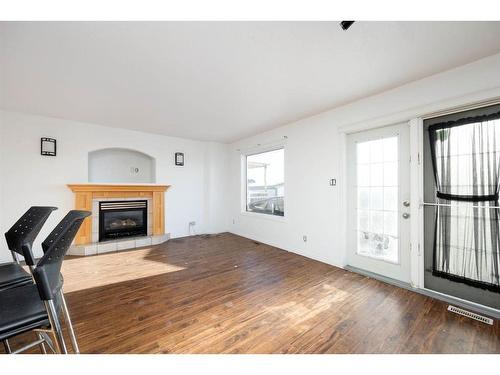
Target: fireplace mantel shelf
{"points": [[116, 187], [86, 193]]}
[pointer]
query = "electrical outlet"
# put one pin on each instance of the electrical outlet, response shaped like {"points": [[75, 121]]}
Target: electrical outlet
{"points": [[304, 238], [191, 223]]}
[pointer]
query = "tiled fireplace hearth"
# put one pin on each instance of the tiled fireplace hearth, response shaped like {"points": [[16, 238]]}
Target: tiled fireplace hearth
{"points": [[123, 217]]}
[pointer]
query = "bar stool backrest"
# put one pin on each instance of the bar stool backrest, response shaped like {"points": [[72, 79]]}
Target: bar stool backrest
{"points": [[56, 245], [23, 233]]}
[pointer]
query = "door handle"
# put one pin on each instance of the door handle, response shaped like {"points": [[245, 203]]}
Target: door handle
{"points": [[406, 203], [405, 215]]}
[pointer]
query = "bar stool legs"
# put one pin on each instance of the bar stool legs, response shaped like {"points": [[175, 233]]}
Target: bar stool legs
{"points": [[47, 340], [58, 345], [56, 327], [42, 345], [69, 324], [6, 345]]}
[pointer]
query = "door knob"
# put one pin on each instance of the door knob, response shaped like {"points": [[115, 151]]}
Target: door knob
{"points": [[406, 215], [406, 203]]}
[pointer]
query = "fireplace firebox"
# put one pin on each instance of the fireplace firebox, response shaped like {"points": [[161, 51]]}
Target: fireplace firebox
{"points": [[119, 219]]}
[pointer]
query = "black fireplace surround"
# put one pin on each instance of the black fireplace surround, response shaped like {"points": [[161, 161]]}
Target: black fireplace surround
{"points": [[118, 219]]}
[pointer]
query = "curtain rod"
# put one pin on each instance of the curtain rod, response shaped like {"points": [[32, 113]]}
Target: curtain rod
{"points": [[463, 108], [452, 205]]}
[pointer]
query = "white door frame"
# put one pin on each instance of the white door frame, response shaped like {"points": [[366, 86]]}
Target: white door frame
{"points": [[417, 267], [416, 191]]}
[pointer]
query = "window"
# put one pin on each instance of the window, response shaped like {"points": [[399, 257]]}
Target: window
{"points": [[377, 199], [265, 182], [465, 155]]}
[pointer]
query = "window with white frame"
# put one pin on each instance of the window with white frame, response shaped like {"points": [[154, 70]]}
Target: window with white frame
{"points": [[265, 182]]}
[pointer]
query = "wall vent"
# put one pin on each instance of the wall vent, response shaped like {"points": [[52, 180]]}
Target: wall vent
{"points": [[468, 314]]}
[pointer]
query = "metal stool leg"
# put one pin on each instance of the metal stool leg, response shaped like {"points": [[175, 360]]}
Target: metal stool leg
{"points": [[72, 335], [48, 341], [6, 345], [42, 345], [56, 327]]}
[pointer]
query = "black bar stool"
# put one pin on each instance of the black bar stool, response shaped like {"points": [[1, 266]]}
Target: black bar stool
{"points": [[37, 306], [20, 240]]}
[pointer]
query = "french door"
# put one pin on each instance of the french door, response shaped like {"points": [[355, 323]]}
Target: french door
{"points": [[378, 181]]}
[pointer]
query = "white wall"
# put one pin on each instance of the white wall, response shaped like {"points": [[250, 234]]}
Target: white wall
{"points": [[120, 165], [314, 153], [216, 175], [27, 178]]}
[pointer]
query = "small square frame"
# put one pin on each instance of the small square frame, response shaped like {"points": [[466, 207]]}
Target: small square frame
{"points": [[48, 146]]}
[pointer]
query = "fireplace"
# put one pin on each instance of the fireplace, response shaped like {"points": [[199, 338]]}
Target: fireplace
{"points": [[119, 219]]}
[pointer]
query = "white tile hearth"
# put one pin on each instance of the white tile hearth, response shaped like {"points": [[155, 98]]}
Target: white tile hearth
{"points": [[118, 245], [155, 240], [125, 244], [87, 250], [106, 247], [143, 241]]}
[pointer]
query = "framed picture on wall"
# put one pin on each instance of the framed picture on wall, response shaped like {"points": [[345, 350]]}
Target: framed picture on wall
{"points": [[179, 159], [48, 146]]}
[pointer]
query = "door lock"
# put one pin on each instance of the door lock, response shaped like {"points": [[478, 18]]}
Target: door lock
{"points": [[406, 203]]}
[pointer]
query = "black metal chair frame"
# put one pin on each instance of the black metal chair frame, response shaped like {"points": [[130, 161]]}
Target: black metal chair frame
{"points": [[49, 282], [20, 238]]}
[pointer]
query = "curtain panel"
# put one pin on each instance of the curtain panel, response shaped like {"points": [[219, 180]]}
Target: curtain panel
{"points": [[466, 161]]}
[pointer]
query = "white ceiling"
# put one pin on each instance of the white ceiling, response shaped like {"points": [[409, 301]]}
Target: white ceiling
{"points": [[219, 81]]}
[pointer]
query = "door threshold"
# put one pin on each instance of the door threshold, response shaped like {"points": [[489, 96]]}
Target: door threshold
{"points": [[379, 277], [481, 309]]}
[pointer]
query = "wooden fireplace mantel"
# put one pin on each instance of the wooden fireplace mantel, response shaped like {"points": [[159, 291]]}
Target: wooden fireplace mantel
{"points": [[85, 193]]}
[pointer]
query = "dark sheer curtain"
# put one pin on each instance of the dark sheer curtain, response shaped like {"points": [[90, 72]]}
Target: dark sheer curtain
{"points": [[466, 161]]}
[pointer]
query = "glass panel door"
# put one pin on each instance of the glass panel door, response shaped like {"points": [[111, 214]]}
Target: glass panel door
{"points": [[378, 180]]}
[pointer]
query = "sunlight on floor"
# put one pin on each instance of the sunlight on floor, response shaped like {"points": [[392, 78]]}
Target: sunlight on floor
{"points": [[301, 313], [106, 269]]}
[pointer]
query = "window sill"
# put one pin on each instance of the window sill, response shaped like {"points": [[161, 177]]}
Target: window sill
{"points": [[279, 219]]}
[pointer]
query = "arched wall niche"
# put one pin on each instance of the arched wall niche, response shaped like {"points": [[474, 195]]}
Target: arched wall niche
{"points": [[121, 165]]}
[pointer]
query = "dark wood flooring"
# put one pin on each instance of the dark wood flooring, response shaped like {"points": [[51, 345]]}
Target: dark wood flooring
{"points": [[229, 294]]}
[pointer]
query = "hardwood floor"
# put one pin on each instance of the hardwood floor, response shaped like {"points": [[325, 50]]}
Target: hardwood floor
{"points": [[228, 294]]}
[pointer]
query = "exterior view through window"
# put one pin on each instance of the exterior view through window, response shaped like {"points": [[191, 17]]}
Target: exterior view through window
{"points": [[266, 182], [377, 193]]}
